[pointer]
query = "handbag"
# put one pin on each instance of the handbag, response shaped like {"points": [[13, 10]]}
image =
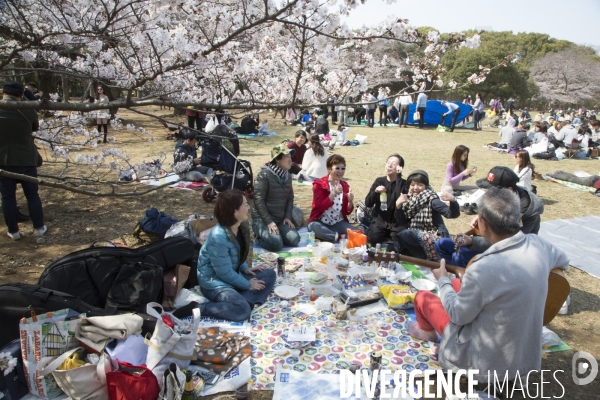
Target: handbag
{"points": [[130, 382], [45, 336], [168, 345], [13, 384], [81, 383], [356, 238], [416, 115]]}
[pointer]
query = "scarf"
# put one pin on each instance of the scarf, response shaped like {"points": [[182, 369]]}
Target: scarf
{"points": [[418, 210], [281, 173]]}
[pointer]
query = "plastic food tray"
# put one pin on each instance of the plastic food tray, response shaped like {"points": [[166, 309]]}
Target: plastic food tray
{"points": [[356, 302]]}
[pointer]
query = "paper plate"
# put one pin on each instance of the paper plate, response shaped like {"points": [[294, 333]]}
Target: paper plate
{"points": [[287, 292], [423, 284], [307, 309], [268, 256]]}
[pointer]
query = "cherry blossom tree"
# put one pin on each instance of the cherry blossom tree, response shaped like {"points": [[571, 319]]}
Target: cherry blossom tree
{"points": [[568, 76], [234, 54]]}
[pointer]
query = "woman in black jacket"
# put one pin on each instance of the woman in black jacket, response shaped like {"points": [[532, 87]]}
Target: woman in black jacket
{"points": [[383, 226], [421, 212]]}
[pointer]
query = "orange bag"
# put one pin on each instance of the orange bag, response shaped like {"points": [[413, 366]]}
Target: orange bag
{"points": [[356, 238]]}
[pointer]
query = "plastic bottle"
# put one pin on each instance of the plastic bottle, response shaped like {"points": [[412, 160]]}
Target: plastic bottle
{"points": [[383, 201], [313, 295], [188, 392]]}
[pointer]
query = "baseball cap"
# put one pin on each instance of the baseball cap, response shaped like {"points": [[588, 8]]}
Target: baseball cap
{"points": [[14, 86], [502, 177], [281, 149]]}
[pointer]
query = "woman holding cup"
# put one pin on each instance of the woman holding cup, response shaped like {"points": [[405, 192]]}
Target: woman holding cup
{"points": [[383, 226]]}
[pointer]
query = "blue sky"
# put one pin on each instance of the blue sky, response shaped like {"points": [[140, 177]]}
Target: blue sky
{"points": [[574, 20]]}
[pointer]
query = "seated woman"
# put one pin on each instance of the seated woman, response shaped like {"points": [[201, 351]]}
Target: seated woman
{"points": [[225, 279], [187, 162], [421, 212], [332, 202], [383, 226], [273, 202], [314, 163], [299, 147], [249, 125], [524, 169], [457, 171]]}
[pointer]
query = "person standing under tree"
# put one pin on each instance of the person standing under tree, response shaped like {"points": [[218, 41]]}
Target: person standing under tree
{"points": [[19, 155], [102, 115]]}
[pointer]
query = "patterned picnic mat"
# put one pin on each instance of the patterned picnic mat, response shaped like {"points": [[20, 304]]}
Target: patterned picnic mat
{"points": [[339, 342]]}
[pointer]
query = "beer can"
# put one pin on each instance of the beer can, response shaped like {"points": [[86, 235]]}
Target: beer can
{"points": [[376, 358], [280, 266]]}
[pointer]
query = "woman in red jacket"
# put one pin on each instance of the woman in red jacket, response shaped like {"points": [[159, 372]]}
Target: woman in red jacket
{"points": [[333, 201]]}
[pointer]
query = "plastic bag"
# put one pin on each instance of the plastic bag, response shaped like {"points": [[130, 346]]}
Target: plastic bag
{"points": [[549, 338], [397, 296], [187, 296], [360, 139]]}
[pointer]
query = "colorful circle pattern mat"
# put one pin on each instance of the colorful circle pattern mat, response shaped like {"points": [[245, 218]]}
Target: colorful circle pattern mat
{"points": [[338, 344]]}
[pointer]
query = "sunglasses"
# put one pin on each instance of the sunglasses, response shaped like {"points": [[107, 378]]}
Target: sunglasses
{"points": [[100, 89], [339, 168]]}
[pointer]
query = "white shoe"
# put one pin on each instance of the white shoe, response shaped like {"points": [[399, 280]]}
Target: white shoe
{"points": [[41, 231], [565, 307], [14, 236]]}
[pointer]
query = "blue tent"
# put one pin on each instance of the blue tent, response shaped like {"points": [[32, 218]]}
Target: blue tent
{"points": [[434, 111]]}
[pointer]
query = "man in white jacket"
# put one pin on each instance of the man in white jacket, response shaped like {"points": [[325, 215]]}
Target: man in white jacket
{"points": [[402, 103], [491, 321]]}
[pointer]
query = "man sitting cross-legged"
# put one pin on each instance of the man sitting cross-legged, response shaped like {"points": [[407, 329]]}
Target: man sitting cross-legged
{"points": [[492, 319]]}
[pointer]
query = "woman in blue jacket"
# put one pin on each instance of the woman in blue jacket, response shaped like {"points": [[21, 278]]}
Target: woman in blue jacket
{"points": [[231, 287]]}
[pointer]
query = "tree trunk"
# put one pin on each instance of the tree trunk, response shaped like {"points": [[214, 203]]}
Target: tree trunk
{"points": [[65, 88]]}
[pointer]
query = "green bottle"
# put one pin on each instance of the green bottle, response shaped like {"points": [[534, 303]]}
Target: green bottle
{"points": [[189, 393]]}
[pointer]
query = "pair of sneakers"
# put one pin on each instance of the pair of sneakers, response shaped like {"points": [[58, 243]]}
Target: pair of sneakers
{"points": [[469, 208], [38, 232]]}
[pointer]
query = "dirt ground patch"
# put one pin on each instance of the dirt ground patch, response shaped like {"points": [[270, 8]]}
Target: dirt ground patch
{"points": [[76, 221]]}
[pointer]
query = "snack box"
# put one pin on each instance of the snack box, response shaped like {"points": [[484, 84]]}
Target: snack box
{"points": [[360, 297]]}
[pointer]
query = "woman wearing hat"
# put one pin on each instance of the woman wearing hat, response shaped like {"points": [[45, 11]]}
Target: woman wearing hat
{"points": [[421, 212], [273, 202]]}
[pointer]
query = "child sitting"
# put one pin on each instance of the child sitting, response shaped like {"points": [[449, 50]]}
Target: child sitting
{"points": [[341, 134], [264, 128]]}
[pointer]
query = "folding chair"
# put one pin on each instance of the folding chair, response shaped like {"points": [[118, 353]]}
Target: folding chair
{"points": [[574, 148]]}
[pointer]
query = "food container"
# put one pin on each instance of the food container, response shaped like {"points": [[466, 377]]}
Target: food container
{"points": [[360, 297], [323, 288]]}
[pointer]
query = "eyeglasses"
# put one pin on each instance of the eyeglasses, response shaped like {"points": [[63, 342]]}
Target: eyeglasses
{"points": [[100, 89], [339, 168]]}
